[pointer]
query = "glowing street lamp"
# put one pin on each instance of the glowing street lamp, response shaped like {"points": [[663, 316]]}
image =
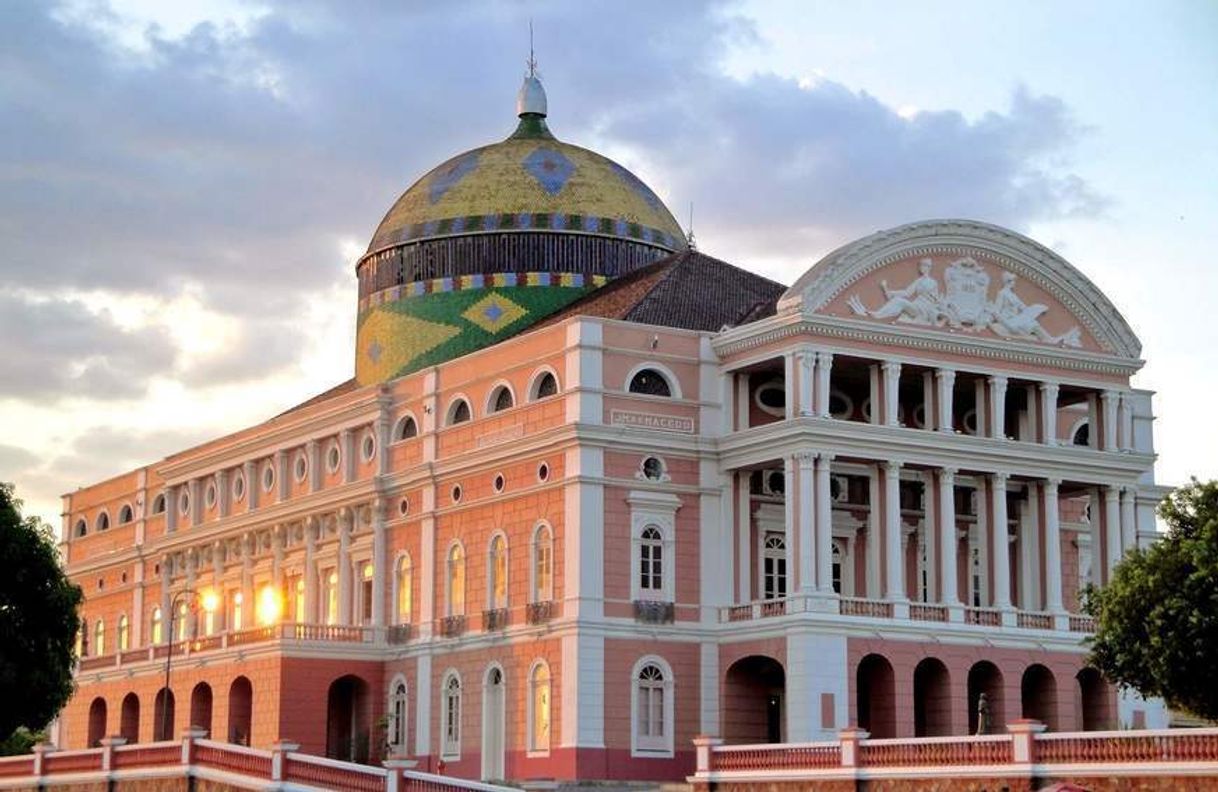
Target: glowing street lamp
{"points": [[207, 602]]}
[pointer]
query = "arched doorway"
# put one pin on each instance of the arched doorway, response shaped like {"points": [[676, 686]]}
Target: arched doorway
{"points": [[984, 677], [932, 699], [240, 711], [875, 697], [1038, 695], [347, 719], [1095, 701], [129, 719], [200, 707], [494, 724], [754, 705], [162, 713], [97, 722]]}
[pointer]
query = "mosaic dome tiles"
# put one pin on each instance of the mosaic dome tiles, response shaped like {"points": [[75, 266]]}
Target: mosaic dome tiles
{"points": [[529, 184]]}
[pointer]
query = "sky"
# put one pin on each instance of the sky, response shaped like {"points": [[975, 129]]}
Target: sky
{"points": [[185, 187]]}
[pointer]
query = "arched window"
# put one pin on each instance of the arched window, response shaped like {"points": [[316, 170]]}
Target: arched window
{"points": [[651, 562], [652, 704], [404, 580], [103, 522], [124, 637], [456, 581], [544, 386], [497, 568], [1082, 435], [836, 556], [99, 637], [539, 708], [501, 399], [397, 717], [543, 564], [125, 515], [158, 504], [650, 382], [82, 639], [81, 528], [774, 566], [458, 412], [157, 629], [365, 593], [180, 622], [451, 703], [331, 597], [406, 428]]}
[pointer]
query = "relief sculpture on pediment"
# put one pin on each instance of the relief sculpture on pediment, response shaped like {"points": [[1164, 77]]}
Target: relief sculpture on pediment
{"points": [[964, 304]]}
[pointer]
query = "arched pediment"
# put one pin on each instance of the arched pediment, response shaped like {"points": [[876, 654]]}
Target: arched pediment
{"points": [[963, 277]]}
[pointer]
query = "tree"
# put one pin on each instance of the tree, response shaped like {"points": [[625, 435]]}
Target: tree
{"points": [[1157, 619], [38, 621]]}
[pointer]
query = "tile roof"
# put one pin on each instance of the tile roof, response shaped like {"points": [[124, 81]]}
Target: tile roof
{"points": [[688, 290]]}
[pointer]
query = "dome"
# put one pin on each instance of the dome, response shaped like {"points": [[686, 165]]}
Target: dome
{"points": [[529, 182], [496, 238]]}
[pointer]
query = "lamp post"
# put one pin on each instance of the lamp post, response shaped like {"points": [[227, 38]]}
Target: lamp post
{"points": [[195, 600]]}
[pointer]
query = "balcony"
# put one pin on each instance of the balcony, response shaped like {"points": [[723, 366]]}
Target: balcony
{"points": [[653, 612], [452, 626], [495, 619], [539, 612], [397, 634], [834, 607]]}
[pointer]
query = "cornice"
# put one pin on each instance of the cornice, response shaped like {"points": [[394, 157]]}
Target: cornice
{"points": [[793, 324], [274, 435]]}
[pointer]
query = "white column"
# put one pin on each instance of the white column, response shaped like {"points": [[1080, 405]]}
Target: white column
{"points": [[824, 526], [998, 407], [744, 534], [894, 577], [1110, 400], [1095, 502], [1126, 416], [310, 570], [979, 407], [948, 566], [742, 401], [346, 521], [422, 698], [874, 538], [1048, 412], [930, 529], [346, 444], [946, 381], [824, 365], [166, 601], [312, 453], [253, 487], [797, 553], [222, 493], [1053, 548], [380, 563], [807, 528], [892, 381], [217, 578], [1000, 544], [789, 378], [1029, 551], [1129, 521], [806, 364], [1112, 529], [192, 627], [171, 508], [249, 609], [930, 414], [1093, 421]]}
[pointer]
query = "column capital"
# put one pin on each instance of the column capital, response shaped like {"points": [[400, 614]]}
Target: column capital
{"points": [[890, 365], [998, 380], [945, 374], [1001, 478], [1053, 482], [1108, 395], [948, 472], [1049, 387], [804, 458], [892, 465], [824, 358], [825, 456]]}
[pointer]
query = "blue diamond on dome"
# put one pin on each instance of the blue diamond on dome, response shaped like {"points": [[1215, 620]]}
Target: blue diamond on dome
{"points": [[550, 168], [449, 174]]}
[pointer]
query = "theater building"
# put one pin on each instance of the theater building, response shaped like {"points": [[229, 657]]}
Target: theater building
{"points": [[592, 492]]}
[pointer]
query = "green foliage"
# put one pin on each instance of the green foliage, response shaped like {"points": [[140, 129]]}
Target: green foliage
{"points": [[1157, 619], [38, 621], [21, 741]]}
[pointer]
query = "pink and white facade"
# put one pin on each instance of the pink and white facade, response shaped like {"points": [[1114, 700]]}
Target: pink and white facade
{"points": [[867, 507]]}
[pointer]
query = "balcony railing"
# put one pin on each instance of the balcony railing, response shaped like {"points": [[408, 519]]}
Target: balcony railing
{"points": [[857, 606], [397, 634], [920, 611], [986, 617], [539, 612], [653, 612], [495, 619], [452, 626]]}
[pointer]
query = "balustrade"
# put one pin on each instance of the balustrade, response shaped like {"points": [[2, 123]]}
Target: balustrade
{"points": [[539, 612]]}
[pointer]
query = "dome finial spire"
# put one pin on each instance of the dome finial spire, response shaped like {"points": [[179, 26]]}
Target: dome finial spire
{"points": [[531, 100]]}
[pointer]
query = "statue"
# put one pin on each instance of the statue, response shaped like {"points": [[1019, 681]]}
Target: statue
{"points": [[1015, 319], [983, 715], [917, 303], [965, 305]]}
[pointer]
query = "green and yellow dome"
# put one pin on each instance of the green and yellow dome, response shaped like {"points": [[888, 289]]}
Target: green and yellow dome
{"points": [[495, 239]]}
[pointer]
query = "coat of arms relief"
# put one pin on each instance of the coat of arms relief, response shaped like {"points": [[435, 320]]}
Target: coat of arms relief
{"points": [[964, 304]]}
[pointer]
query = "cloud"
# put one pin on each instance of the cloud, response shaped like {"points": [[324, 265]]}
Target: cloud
{"points": [[60, 348]]}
